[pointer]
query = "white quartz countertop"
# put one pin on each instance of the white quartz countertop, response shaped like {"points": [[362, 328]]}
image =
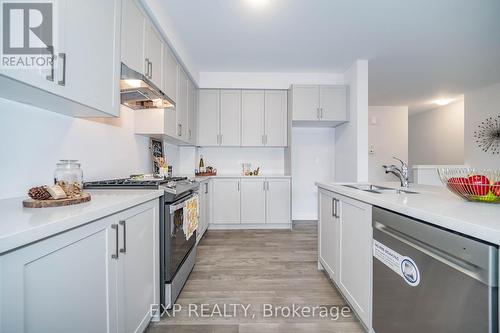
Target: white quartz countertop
{"points": [[20, 226], [436, 205], [203, 178]]}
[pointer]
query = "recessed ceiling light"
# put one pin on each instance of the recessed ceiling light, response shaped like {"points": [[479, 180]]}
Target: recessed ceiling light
{"points": [[258, 3], [443, 101]]}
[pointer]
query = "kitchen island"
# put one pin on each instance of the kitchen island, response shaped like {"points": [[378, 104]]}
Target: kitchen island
{"points": [[455, 241]]}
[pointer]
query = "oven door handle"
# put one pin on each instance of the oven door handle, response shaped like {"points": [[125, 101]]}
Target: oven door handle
{"points": [[180, 205]]}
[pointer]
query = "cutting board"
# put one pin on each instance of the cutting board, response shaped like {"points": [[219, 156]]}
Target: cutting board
{"points": [[31, 203]]}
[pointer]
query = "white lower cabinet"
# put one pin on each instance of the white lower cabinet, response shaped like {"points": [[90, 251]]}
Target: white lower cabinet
{"points": [[204, 212], [278, 208], [79, 281], [345, 249], [226, 201], [329, 238], [251, 202]]}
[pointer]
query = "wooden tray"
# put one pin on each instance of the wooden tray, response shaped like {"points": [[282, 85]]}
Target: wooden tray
{"points": [[31, 203], [205, 174]]}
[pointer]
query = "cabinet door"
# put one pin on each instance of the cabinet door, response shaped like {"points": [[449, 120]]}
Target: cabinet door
{"points": [[208, 118], [169, 73], [182, 105], [191, 119], [202, 208], [153, 55], [278, 200], [139, 265], [132, 36], [355, 277], [252, 118], [328, 246], [253, 201], [230, 117], [66, 283], [333, 102], [91, 71], [276, 125], [226, 201], [305, 102]]}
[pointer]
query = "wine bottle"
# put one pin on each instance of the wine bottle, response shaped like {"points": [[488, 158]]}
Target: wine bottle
{"points": [[201, 166]]}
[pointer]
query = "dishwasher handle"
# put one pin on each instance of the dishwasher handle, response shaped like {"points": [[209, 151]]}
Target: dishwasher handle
{"points": [[486, 276]]}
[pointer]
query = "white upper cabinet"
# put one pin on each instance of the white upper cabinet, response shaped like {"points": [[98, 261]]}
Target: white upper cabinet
{"points": [[305, 102], [278, 200], [252, 118], [153, 56], [83, 81], [90, 77], [319, 104], [182, 105], [230, 118], [244, 118], [132, 36], [191, 119], [276, 118], [333, 102], [208, 117], [169, 73], [253, 200]]}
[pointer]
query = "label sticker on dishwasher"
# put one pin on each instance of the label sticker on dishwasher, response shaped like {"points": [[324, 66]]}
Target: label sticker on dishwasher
{"points": [[401, 265]]}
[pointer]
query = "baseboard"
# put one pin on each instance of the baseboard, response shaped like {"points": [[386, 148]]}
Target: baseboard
{"points": [[249, 226]]}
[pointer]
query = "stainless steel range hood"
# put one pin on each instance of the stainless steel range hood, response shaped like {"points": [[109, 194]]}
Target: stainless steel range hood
{"points": [[138, 92]]}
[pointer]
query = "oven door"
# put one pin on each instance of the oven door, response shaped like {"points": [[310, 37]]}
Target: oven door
{"points": [[177, 247]]}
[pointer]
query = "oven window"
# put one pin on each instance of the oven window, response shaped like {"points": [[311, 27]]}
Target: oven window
{"points": [[180, 247]]}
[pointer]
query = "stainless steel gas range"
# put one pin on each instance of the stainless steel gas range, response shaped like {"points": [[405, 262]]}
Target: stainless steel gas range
{"points": [[177, 254]]}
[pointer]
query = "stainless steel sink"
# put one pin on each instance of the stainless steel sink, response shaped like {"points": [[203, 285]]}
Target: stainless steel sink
{"points": [[380, 189]]}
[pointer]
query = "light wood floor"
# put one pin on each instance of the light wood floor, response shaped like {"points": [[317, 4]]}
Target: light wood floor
{"points": [[258, 267]]}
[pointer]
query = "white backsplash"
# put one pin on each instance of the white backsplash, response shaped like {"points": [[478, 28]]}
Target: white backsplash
{"points": [[228, 160]]}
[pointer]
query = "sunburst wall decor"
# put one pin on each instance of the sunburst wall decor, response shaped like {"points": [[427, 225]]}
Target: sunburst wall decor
{"points": [[488, 135]]}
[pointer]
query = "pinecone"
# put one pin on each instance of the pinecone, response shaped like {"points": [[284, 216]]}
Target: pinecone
{"points": [[39, 193]]}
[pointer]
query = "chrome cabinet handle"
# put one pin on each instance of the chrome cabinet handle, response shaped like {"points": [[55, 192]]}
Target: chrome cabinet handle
{"points": [[267, 182], [147, 68], [115, 256], [221, 139], [333, 207], [50, 77], [206, 188], [265, 135], [179, 129], [263, 140], [150, 70], [321, 113], [124, 224], [238, 185], [63, 81]]}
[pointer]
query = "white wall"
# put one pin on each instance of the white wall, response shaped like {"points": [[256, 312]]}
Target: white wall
{"points": [[437, 136], [228, 160], [479, 105], [387, 137], [351, 139], [32, 140], [313, 155], [244, 80]]}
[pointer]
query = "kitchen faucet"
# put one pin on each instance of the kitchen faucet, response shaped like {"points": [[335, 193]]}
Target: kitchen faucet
{"points": [[401, 173]]}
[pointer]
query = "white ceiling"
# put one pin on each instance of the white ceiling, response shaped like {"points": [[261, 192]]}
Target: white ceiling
{"points": [[419, 50]]}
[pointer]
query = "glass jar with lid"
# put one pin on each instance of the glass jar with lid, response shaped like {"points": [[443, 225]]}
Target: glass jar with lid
{"points": [[69, 175]]}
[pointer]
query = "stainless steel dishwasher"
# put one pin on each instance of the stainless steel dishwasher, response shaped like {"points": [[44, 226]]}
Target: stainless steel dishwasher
{"points": [[429, 280]]}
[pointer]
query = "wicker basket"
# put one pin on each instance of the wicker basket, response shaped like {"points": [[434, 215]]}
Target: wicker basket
{"points": [[473, 184]]}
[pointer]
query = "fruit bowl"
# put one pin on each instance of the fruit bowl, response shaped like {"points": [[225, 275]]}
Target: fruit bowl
{"points": [[473, 184]]}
